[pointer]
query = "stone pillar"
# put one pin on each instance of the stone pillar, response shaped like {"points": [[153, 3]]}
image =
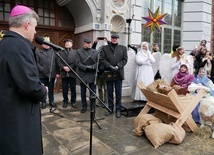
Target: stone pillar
{"points": [[136, 26], [196, 23]]}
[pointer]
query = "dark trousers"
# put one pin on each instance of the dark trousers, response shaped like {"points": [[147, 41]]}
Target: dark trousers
{"points": [[69, 82], [118, 91], [50, 86], [83, 92], [102, 89]]}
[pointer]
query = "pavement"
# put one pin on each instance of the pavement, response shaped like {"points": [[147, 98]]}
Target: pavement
{"points": [[66, 131]]}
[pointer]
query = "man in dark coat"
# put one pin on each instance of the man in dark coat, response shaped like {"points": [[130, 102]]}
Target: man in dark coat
{"points": [[114, 57], [48, 70], [67, 75], [86, 62], [21, 89]]}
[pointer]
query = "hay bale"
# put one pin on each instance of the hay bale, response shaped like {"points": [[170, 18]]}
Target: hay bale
{"points": [[204, 132]]}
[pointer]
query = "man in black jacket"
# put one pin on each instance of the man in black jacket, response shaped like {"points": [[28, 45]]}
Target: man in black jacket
{"points": [[67, 76], [114, 58], [48, 70], [86, 62], [21, 90]]}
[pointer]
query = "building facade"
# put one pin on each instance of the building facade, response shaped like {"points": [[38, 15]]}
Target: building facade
{"points": [[188, 21]]}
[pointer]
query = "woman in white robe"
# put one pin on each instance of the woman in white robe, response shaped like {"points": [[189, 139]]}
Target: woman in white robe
{"points": [[181, 58], [144, 72]]}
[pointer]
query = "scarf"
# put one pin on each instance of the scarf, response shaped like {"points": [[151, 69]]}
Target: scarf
{"points": [[183, 79], [202, 79], [205, 81]]}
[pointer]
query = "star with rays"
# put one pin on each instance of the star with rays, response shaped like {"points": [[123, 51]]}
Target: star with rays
{"points": [[154, 20]]}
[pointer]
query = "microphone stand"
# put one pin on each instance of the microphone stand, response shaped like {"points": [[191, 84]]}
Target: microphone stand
{"points": [[92, 99], [51, 69], [129, 26]]}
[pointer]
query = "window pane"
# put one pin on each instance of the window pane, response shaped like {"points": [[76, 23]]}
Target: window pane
{"points": [[60, 23], [40, 3], [46, 13], [145, 34], [52, 6], [52, 22], [145, 6], [177, 37], [7, 7], [46, 20], [46, 4], [158, 3], [41, 21], [30, 3], [157, 38], [24, 2], [52, 14], [177, 13], [168, 10], [167, 40], [65, 18], [40, 12], [6, 16], [18, 1], [1, 6], [1, 16]]}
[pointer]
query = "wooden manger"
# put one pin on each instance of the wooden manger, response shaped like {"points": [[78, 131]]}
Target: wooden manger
{"points": [[179, 107]]}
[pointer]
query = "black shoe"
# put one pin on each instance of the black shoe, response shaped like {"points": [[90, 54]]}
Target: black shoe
{"points": [[108, 113], [83, 109], [43, 105], [74, 105], [65, 104], [52, 104], [118, 114]]}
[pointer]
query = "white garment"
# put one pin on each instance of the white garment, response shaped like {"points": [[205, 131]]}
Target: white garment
{"points": [[184, 59], [144, 73]]}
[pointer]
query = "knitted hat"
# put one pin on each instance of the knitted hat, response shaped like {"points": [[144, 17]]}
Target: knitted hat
{"points": [[19, 10]]}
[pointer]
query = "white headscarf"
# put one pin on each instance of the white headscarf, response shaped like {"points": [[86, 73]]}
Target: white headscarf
{"points": [[145, 52]]}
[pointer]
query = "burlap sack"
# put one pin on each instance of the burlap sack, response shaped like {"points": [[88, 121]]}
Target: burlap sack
{"points": [[159, 134], [178, 134], [142, 121], [165, 118]]}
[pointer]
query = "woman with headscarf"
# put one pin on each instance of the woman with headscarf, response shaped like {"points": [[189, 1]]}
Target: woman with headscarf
{"points": [[183, 78], [208, 64], [202, 82], [144, 72], [180, 58]]}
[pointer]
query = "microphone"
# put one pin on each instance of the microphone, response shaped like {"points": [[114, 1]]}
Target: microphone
{"points": [[40, 40]]}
